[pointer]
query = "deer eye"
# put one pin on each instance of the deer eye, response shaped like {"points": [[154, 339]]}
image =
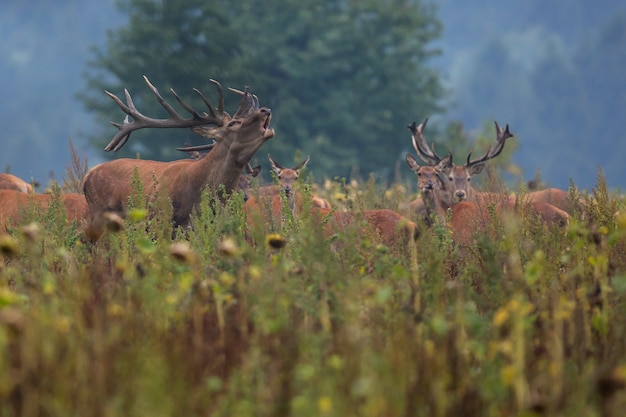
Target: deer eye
{"points": [[451, 179], [469, 179], [233, 123]]}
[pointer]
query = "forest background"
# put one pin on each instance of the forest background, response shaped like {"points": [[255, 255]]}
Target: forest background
{"points": [[553, 70]]}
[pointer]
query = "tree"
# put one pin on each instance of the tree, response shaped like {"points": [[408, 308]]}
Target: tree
{"points": [[343, 79]]}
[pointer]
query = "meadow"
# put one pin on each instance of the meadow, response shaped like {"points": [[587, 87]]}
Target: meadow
{"points": [[287, 321]]}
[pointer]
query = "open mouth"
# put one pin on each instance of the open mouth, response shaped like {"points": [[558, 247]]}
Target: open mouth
{"points": [[267, 131]]}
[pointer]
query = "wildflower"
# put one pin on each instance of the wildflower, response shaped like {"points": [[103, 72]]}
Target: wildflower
{"points": [[8, 246], [275, 241], [31, 231], [182, 252], [228, 247], [137, 214]]}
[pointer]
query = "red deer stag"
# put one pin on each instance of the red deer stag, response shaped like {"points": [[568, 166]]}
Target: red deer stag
{"points": [[459, 177], [11, 182], [467, 217], [15, 203], [237, 138]]}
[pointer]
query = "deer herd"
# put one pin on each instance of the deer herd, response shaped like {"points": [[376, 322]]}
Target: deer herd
{"points": [[223, 167]]}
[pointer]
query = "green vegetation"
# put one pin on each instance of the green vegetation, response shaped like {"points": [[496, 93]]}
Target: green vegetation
{"points": [[529, 321]]}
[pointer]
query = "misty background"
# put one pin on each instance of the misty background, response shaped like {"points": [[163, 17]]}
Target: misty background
{"points": [[554, 70]]}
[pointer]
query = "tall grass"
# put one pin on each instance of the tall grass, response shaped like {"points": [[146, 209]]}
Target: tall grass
{"points": [[227, 320]]}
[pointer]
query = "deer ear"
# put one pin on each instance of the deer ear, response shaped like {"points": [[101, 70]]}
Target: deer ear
{"points": [[209, 132], [476, 169], [276, 167], [412, 162], [444, 164], [303, 164], [255, 171]]}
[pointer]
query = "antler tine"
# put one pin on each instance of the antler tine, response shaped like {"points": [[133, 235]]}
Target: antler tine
{"points": [[502, 134], [425, 153], [175, 120], [247, 104], [207, 146], [220, 93]]}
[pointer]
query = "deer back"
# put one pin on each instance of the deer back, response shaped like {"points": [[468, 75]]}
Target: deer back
{"points": [[11, 182]]}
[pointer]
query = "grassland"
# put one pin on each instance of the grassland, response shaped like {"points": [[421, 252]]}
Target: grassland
{"points": [[529, 321]]}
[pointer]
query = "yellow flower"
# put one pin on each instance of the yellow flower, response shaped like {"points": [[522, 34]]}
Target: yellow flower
{"points": [[275, 241], [228, 247], [8, 246], [325, 404]]}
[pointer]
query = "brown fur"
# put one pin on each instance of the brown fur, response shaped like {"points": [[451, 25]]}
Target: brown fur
{"points": [[13, 203], [11, 182]]}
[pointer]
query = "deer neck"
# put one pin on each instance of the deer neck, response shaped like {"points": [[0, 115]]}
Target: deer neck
{"points": [[435, 207], [219, 168]]}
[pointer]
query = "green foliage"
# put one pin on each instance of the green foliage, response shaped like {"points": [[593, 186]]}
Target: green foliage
{"points": [[223, 320], [337, 75]]}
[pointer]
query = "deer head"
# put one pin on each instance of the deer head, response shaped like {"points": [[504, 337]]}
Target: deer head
{"points": [[431, 182], [287, 176], [457, 178]]}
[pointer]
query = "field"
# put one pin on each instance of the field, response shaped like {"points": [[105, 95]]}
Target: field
{"points": [[528, 321]]}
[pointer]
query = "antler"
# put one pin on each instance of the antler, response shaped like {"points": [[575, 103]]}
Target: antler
{"points": [[425, 153], [502, 134], [248, 104], [198, 148]]}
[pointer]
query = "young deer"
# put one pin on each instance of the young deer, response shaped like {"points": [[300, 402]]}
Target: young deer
{"points": [[269, 200], [237, 138]]}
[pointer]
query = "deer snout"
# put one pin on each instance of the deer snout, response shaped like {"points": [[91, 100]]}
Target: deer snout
{"points": [[460, 195]]}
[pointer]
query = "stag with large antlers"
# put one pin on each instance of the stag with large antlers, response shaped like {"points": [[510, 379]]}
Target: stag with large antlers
{"points": [[458, 178], [107, 186], [467, 210]]}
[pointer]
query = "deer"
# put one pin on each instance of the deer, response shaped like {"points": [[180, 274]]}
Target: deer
{"points": [[459, 177], [11, 182], [237, 138], [269, 202], [467, 218], [391, 227], [440, 197], [14, 203]]}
